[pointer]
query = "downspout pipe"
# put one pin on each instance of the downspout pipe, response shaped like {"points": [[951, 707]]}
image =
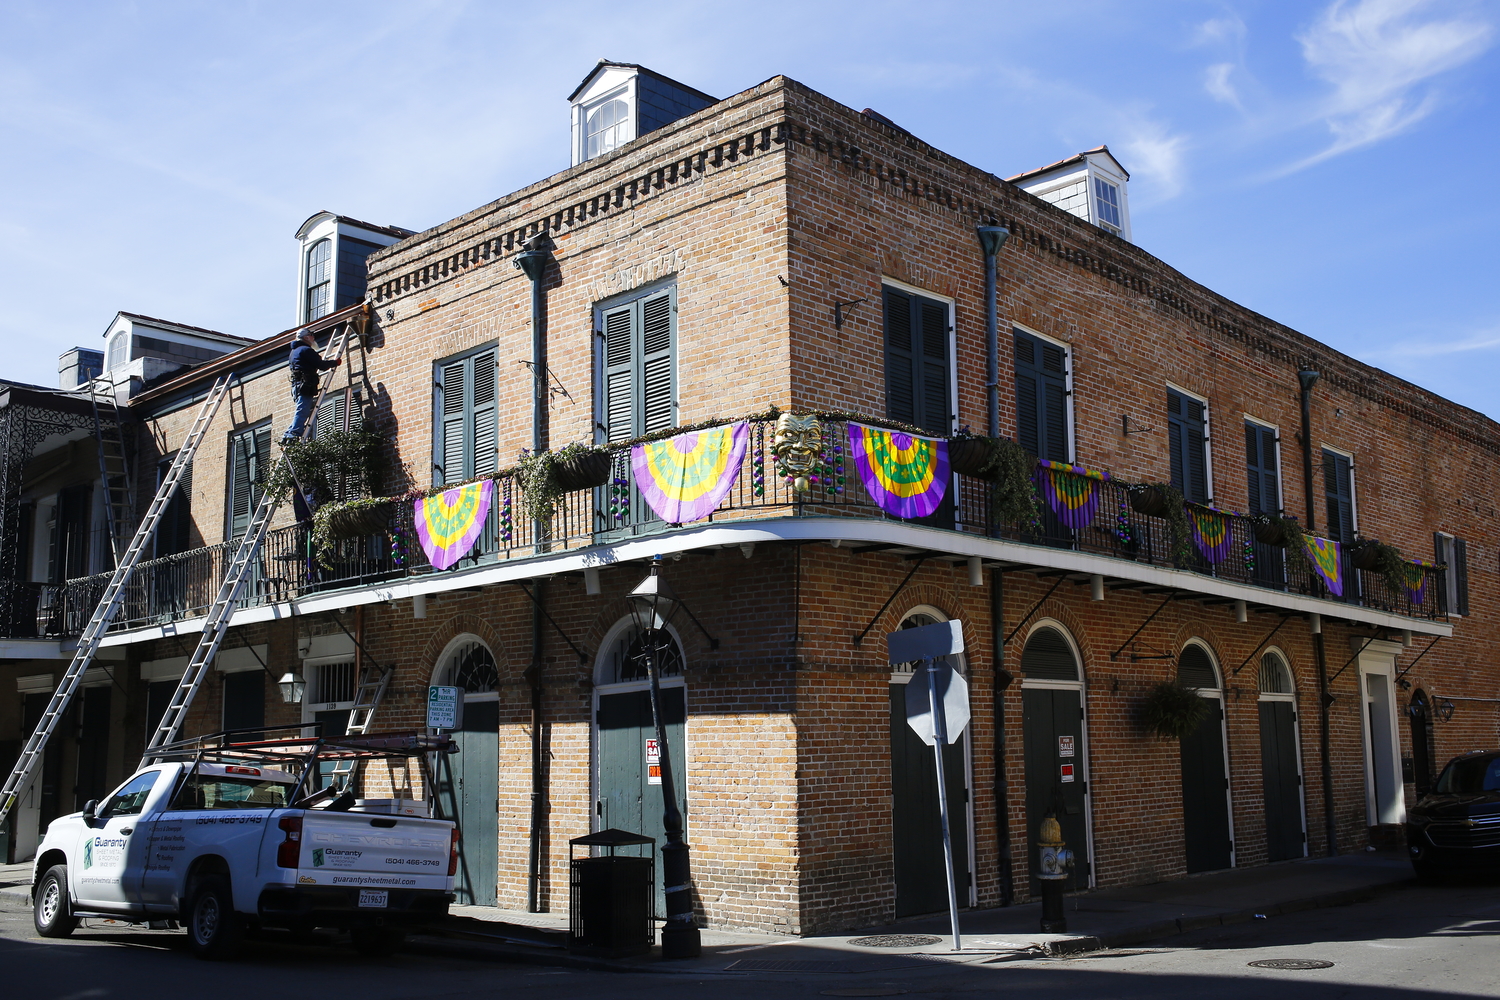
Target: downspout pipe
{"points": [[1308, 378], [1001, 681], [991, 239], [533, 262]]}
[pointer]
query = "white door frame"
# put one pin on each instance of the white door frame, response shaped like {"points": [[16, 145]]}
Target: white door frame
{"points": [[1382, 746]]}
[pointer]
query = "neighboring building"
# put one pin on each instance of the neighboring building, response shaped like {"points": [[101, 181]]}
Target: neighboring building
{"points": [[140, 349], [332, 252], [777, 251]]}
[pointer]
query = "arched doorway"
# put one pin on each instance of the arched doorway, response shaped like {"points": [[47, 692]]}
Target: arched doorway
{"points": [[1206, 825], [1419, 711], [916, 826], [1053, 730], [469, 785], [628, 794], [1281, 761]]}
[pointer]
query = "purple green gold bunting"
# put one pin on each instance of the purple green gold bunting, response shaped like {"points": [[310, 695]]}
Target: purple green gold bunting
{"points": [[1414, 579], [449, 523], [1072, 491], [683, 478], [1211, 533], [1327, 560], [906, 475]]}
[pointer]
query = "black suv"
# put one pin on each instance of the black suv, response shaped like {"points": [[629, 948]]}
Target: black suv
{"points": [[1455, 828]]}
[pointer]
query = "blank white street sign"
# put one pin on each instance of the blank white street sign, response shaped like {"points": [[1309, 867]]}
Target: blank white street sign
{"points": [[938, 639], [953, 695]]}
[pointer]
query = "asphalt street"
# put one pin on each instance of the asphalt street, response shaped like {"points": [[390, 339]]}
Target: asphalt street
{"points": [[1414, 941]]}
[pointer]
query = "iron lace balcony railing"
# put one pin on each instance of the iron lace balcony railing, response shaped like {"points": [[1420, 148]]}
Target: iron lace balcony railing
{"points": [[182, 586]]}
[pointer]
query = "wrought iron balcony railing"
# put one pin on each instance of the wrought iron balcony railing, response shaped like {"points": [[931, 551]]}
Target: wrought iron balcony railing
{"points": [[182, 586]]}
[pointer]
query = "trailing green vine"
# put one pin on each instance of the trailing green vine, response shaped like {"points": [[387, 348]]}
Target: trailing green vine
{"points": [[1179, 529], [1014, 497], [333, 458]]}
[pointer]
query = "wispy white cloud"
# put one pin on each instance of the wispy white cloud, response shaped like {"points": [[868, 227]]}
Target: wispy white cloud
{"points": [[1380, 57], [1484, 340], [1216, 80], [1155, 156], [1218, 30]]}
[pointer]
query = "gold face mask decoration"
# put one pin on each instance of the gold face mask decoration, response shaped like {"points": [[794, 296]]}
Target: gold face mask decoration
{"points": [[798, 445]]}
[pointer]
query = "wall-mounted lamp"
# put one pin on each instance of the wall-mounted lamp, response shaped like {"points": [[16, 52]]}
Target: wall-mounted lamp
{"points": [[976, 571], [1241, 613], [419, 606], [1096, 587], [293, 687]]}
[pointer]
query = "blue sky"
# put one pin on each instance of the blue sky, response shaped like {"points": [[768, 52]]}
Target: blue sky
{"points": [[1308, 160]]}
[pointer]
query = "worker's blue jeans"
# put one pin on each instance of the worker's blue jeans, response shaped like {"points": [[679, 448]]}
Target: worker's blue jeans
{"points": [[305, 403]]}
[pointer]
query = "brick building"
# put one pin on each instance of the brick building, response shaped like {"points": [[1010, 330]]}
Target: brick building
{"points": [[776, 252]]}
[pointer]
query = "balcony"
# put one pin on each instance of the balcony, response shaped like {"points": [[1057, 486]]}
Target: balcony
{"points": [[181, 587]]}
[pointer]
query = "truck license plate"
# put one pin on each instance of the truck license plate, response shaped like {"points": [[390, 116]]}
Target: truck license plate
{"points": [[374, 897]]}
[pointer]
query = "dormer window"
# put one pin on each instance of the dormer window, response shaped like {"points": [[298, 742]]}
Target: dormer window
{"points": [[1107, 205], [606, 128], [119, 350], [319, 278]]}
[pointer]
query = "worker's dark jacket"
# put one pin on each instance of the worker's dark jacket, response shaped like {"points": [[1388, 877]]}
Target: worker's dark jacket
{"points": [[306, 365]]}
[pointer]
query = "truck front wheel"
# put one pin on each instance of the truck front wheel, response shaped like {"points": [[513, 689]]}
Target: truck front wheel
{"points": [[214, 929], [51, 912]]}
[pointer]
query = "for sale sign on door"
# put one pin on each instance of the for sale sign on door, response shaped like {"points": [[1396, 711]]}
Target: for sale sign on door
{"points": [[653, 763]]}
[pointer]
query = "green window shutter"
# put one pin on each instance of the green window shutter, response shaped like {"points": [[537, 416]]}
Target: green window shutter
{"points": [[332, 415], [937, 412], [485, 414], [1338, 488], [1042, 397], [638, 366], [619, 373], [1461, 575], [1188, 445], [248, 465], [900, 359], [450, 430], [1261, 473], [658, 395]]}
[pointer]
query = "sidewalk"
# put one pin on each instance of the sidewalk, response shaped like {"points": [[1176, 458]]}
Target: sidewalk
{"points": [[1108, 918]]}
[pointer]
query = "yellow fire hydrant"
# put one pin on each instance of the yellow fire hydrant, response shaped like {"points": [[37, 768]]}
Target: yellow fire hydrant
{"points": [[1055, 862]]}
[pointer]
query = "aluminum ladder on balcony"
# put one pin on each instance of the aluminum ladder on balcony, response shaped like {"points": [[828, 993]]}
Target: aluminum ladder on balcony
{"points": [[216, 623], [109, 604], [373, 680], [114, 471]]}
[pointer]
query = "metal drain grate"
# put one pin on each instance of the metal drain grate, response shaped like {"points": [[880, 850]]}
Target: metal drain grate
{"points": [[1292, 964], [785, 965], [896, 941]]}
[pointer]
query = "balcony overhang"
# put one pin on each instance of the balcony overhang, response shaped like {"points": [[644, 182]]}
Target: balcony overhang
{"points": [[888, 536]]}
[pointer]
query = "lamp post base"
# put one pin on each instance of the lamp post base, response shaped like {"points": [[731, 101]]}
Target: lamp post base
{"points": [[680, 942]]}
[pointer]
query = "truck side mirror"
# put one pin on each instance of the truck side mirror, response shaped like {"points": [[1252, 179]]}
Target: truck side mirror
{"points": [[89, 808]]}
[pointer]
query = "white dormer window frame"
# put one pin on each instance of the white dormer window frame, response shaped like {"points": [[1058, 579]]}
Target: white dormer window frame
{"points": [[623, 128], [1108, 210]]}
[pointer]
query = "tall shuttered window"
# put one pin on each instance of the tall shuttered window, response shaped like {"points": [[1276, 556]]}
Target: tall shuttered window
{"points": [[1187, 441], [637, 346], [1454, 552], [918, 365], [1042, 398], [1338, 492], [1262, 472], [174, 533], [249, 463], [466, 418], [333, 414]]}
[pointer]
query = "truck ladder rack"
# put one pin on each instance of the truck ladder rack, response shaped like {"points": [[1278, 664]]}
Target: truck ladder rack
{"points": [[373, 680], [216, 623], [109, 603]]}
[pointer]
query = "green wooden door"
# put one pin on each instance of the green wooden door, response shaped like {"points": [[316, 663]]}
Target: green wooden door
{"points": [[1205, 794], [628, 799], [916, 827], [1280, 781], [471, 796], [1052, 727]]}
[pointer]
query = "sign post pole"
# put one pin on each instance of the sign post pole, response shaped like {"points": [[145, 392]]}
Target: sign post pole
{"points": [[940, 740]]}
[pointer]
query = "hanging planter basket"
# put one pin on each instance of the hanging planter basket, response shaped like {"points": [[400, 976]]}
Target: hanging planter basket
{"points": [[969, 455], [1172, 711], [583, 471], [1269, 532], [359, 522], [1365, 555], [1148, 500]]}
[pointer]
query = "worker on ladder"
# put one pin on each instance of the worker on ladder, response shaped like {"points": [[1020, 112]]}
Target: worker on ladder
{"points": [[307, 366]]}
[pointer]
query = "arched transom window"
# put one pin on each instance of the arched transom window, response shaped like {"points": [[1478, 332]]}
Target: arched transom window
{"points": [[623, 658], [470, 665]]}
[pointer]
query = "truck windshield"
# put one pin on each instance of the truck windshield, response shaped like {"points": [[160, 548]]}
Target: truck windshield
{"points": [[212, 791], [1471, 776]]}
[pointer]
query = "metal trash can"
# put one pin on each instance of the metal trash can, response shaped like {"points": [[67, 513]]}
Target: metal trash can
{"points": [[611, 899]]}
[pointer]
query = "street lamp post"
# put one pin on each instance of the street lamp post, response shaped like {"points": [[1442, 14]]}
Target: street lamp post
{"points": [[653, 604]]}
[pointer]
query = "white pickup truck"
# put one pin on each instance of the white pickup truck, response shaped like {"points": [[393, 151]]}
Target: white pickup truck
{"points": [[216, 846]]}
